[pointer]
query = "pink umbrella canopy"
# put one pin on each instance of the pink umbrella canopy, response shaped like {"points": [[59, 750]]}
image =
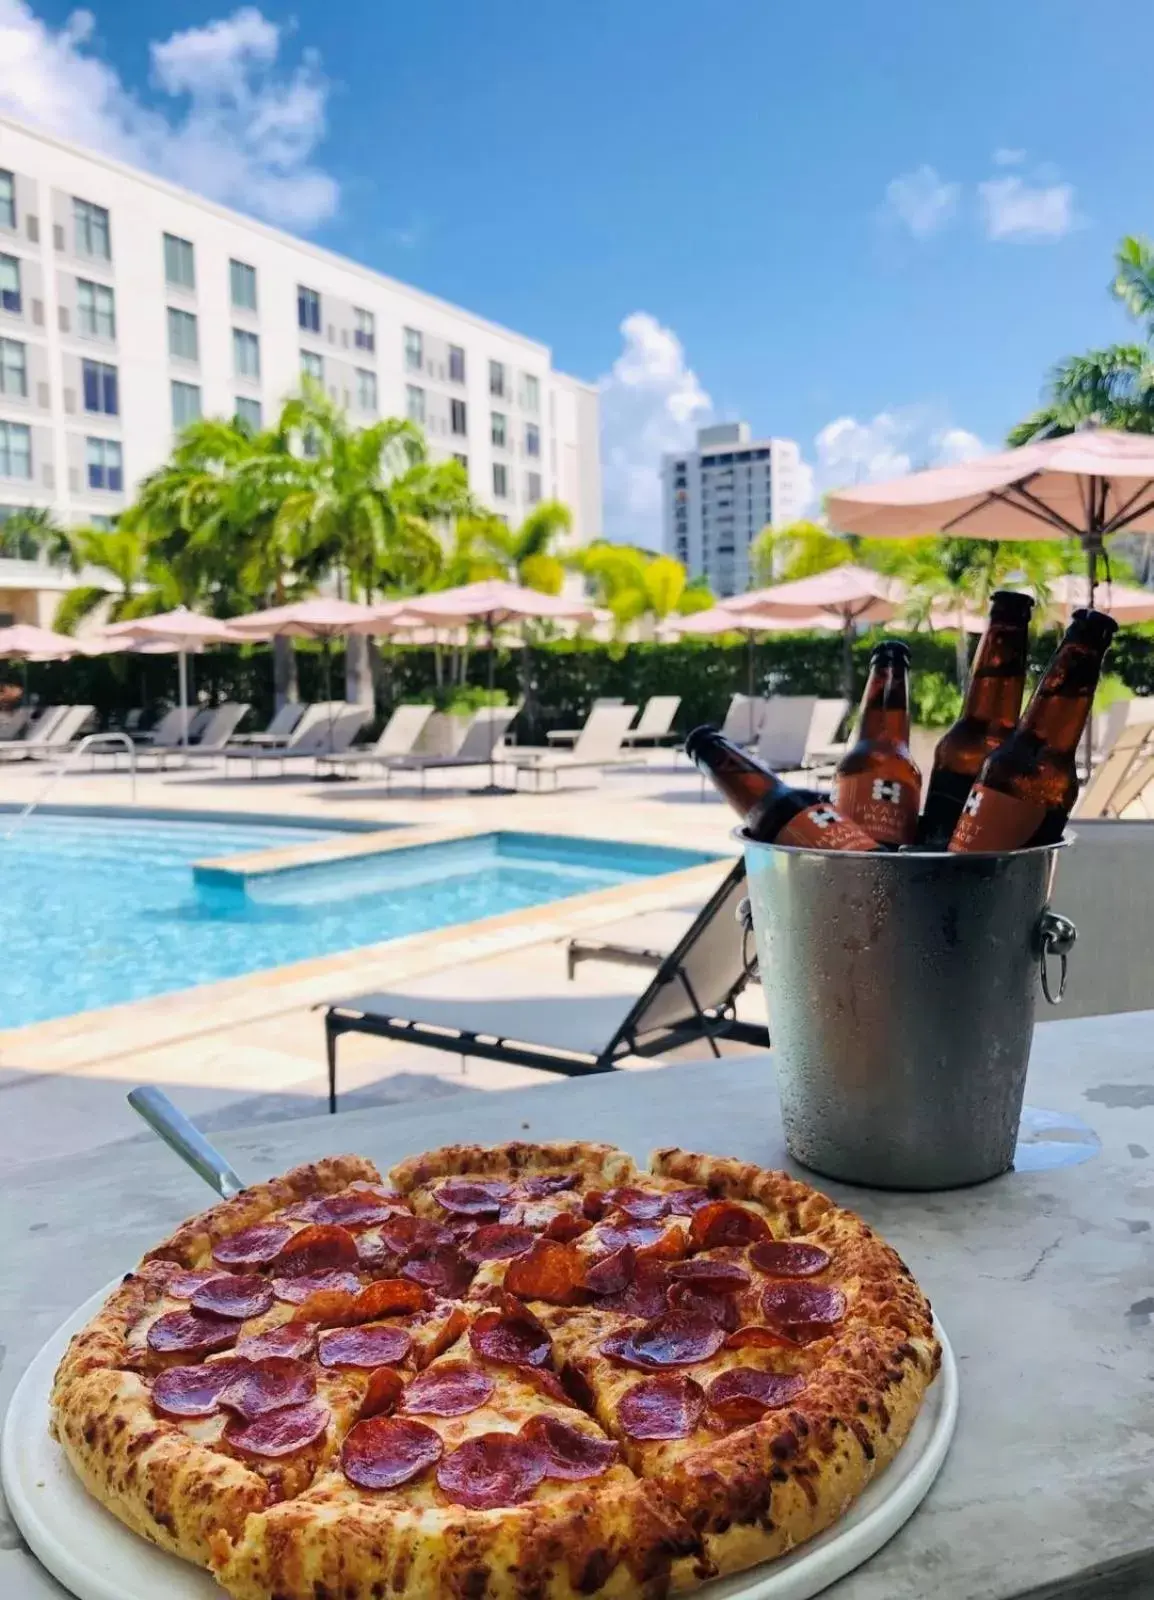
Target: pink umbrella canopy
{"points": [[22, 641], [1127, 604], [848, 593], [319, 618], [497, 601], [179, 630], [717, 620]]}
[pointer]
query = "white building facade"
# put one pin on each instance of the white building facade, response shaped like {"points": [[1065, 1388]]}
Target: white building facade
{"points": [[717, 497], [128, 307]]}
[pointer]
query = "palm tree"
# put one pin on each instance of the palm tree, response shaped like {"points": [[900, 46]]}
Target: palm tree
{"points": [[140, 585], [638, 586], [33, 530], [526, 554]]}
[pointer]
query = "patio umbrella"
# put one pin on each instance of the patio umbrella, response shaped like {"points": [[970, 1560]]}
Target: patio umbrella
{"points": [[718, 620], [24, 642], [495, 602], [320, 618], [1122, 601], [184, 631], [845, 595]]}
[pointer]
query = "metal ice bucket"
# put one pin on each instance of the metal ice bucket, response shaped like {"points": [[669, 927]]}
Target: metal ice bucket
{"points": [[901, 990]]}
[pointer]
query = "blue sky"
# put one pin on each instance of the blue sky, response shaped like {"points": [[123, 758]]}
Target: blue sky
{"points": [[869, 228]]}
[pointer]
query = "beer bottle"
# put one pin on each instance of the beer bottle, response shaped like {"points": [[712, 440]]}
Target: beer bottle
{"points": [[989, 716], [1027, 787], [772, 811], [876, 784]]}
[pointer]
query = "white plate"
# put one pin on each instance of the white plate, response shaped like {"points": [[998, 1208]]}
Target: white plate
{"points": [[97, 1558]]}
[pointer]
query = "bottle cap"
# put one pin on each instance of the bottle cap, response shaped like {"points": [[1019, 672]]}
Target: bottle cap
{"points": [[1095, 627], [1010, 605], [705, 735], [891, 650]]}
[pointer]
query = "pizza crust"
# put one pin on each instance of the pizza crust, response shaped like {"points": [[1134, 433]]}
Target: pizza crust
{"points": [[514, 1159]]}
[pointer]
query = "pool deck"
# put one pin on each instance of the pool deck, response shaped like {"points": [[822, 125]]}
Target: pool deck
{"points": [[251, 1048]]}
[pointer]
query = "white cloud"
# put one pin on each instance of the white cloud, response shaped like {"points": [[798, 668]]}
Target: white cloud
{"points": [[240, 128], [847, 451], [921, 200], [651, 402], [1015, 209], [1004, 157]]}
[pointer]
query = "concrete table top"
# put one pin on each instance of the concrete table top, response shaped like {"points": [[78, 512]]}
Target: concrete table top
{"points": [[1043, 1279]]}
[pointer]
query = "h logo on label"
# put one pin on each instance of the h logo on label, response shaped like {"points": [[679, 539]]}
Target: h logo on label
{"points": [[824, 816], [973, 802], [889, 790]]}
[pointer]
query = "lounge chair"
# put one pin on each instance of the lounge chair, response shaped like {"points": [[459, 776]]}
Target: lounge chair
{"points": [[216, 730], [655, 724], [281, 727], [477, 749], [41, 730], [822, 747], [661, 930], [599, 746], [744, 718], [13, 723], [171, 732], [320, 714], [329, 736], [55, 738], [781, 740], [1120, 779], [397, 738], [689, 999]]}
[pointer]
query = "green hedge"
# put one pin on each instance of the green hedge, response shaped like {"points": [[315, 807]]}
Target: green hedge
{"points": [[563, 677]]}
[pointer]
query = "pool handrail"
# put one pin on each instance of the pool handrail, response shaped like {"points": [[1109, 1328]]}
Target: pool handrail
{"points": [[86, 744]]}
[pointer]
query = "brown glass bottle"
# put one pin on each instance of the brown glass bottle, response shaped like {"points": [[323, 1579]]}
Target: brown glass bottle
{"points": [[877, 784], [1027, 787], [989, 716], [771, 810]]}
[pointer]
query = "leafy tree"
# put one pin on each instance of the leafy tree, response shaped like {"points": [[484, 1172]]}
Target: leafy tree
{"points": [[526, 554], [638, 586], [34, 530], [140, 585]]}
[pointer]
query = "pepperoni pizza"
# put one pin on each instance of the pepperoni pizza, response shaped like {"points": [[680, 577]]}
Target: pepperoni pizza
{"points": [[525, 1369]]}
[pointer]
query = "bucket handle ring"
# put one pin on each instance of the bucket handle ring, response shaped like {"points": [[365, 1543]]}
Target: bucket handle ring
{"points": [[744, 916], [1056, 936]]}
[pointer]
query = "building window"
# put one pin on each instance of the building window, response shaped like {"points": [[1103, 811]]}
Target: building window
{"points": [[7, 200], [415, 404], [242, 285], [456, 363], [92, 233], [366, 390], [10, 284], [497, 379], [458, 419], [462, 461], [414, 350], [532, 439], [183, 344], [497, 428], [245, 353], [13, 368], [179, 265], [248, 411], [364, 329], [95, 309], [101, 388], [15, 450], [185, 404], [530, 392], [105, 464], [312, 366], [500, 480], [308, 309], [533, 487]]}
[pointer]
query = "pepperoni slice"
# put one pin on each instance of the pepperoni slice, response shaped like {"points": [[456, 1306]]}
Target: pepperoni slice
{"points": [[404, 1234], [193, 1391], [185, 1284], [719, 1308], [253, 1247], [374, 1253], [593, 1205], [443, 1269], [494, 1469], [384, 1452], [386, 1386], [448, 1391], [543, 1184], [229, 1296], [296, 1339], [789, 1258], [566, 1225], [677, 1339], [684, 1202], [638, 1204], [515, 1338], [756, 1336], [613, 1272], [378, 1345], [577, 1388], [497, 1241], [280, 1433], [743, 1394], [357, 1210], [723, 1222], [295, 1291], [268, 1385], [570, 1453], [669, 1407], [646, 1296], [472, 1197], [191, 1333], [640, 1236], [794, 1303], [709, 1276], [321, 1247], [551, 1271], [546, 1383], [388, 1296]]}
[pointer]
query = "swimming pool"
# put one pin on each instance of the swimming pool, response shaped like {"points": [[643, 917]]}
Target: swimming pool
{"points": [[98, 910]]}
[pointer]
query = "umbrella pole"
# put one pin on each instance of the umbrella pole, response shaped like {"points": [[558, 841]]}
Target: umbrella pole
{"points": [[492, 686], [327, 642], [183, 674], [749, 675]]}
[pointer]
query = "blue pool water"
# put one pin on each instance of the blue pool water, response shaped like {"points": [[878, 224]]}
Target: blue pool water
{"points": [[98, 910]]}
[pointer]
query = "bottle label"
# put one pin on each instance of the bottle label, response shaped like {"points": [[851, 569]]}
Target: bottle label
{"points": [[991, 820], [887, 808], [820, 827]]}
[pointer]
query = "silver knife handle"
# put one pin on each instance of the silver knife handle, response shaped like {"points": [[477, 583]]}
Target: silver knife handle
{"points": [[183, 1136]]}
